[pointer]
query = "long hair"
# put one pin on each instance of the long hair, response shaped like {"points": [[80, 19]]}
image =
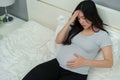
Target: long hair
{"points": [[89, 10]]}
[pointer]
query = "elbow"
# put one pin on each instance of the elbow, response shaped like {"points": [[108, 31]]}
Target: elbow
{"points": [[58, 41], [110, 64]]}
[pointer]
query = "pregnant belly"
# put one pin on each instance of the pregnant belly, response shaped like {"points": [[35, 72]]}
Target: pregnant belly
{"points": [[66, 53]]}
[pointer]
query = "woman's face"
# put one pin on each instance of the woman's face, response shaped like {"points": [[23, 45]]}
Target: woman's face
{"points": [[86, 24]]}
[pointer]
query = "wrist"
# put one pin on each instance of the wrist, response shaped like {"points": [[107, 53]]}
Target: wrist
{"points": [[69, 23], [86, 62]]}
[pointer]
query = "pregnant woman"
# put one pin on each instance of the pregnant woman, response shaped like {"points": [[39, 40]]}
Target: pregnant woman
{"points": [[82, 37]]}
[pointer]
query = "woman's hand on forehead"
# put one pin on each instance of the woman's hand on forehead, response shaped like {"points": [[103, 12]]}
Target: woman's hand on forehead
{"points": [[74, 16]]}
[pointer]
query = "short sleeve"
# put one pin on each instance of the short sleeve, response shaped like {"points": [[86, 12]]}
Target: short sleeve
{"points": [[105, 40]]}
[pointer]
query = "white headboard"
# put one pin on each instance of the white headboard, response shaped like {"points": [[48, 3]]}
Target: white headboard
{"points": [[46, 12]]}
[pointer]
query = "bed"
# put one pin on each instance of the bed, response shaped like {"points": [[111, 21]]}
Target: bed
{"points": [[33, 43]]}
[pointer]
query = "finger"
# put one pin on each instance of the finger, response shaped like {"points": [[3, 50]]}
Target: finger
{"points": [[70, 65], [74, 16], [77, 11], [71, 61], [76, 55]]}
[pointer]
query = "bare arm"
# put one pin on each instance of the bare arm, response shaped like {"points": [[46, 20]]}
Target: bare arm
{"points": [[107, 62], [62, 35]]}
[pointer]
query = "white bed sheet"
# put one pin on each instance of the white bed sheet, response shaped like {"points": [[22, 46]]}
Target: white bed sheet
{"points": [[23, 49], [31, 45]]}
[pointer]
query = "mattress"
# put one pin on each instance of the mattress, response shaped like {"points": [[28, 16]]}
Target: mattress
{"points": [[23, 49], [33, 44]]}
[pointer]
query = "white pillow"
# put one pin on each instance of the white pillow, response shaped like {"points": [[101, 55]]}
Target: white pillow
{"points": [[53, 47]]}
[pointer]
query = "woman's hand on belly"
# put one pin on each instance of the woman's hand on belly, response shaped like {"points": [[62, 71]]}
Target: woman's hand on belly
{"points": [[77, 62]]}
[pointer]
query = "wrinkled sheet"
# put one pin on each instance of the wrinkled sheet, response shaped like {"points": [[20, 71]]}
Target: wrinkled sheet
{"points": [[30, 45]]}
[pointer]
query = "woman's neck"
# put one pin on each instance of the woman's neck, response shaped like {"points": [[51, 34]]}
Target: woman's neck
{"points": [[89, 31]]}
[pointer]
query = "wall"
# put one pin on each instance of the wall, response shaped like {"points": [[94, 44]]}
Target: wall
{"points": [[46, 12], [18, 9], [1, 11], [114, 4]]}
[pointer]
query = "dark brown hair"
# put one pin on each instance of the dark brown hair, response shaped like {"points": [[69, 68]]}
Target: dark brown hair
{"points": [[90, 12]]}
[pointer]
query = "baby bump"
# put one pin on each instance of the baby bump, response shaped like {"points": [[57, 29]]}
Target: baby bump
{"points": [[66, 53], [64, 57]]}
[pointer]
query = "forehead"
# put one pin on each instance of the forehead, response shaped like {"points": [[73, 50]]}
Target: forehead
{"points": [[80, 14]]}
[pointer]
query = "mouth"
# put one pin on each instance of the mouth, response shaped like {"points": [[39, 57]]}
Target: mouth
{"points": [[83, 25]]}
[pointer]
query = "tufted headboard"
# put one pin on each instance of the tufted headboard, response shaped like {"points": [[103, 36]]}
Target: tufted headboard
{"points": [[46, 12]]}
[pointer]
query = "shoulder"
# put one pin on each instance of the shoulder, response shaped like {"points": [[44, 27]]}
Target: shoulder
{"points": [[102, 33], [103, 38]]}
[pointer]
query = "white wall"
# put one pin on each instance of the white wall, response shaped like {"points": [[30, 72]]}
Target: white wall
{"points": [[68, 5], [47, 11], [18, 9], [113, 4]]}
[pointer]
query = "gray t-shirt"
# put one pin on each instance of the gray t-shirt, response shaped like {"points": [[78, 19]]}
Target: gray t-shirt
{"points": [[86, 46]]}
